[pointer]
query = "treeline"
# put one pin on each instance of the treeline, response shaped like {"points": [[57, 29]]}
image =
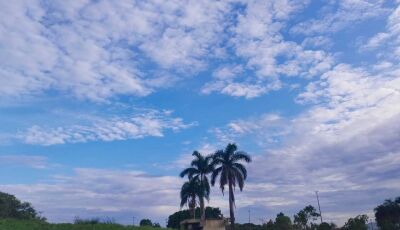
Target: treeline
{"points": [[387, 217]]}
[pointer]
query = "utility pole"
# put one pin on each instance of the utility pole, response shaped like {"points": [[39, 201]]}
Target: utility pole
{"points": [[133, 223], [319, 207], [249, 216]]}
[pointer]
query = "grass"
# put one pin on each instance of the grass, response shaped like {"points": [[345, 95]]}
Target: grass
{"points": [[10, 224]]}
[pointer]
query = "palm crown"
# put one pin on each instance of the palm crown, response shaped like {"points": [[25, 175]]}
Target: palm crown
{"points": [[200, 167], [231, 172], [190, 192]]}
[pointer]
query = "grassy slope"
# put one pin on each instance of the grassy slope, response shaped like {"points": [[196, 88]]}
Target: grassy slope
{"points": [[34, 225]]}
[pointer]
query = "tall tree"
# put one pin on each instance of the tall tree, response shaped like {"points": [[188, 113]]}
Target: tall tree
{"points": [[302, 220], [387, 215], [231, 172], [200, 168], [190, 192]]}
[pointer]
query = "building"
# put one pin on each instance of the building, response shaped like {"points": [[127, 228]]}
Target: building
{"points": [[195, 224]]}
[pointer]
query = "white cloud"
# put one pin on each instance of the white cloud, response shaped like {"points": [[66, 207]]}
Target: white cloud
{"points": [[388, 39], [341, 14], [151, 123], [96, 50], [102, 192], [346, 145]]}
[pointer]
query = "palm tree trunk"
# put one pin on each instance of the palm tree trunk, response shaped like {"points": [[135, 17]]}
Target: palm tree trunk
{"points": [[203, 213], [232, 215]]}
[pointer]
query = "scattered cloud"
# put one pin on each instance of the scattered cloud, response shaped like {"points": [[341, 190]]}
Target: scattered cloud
{"points": [[346, 145], [31, 161], [102, 192], [341, 14], [152, 123]]}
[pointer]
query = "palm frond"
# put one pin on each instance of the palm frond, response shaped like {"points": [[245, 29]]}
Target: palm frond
{"points": [[241, 156], [241, 168]]}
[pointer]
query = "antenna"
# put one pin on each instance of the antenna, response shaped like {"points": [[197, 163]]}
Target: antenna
{"points": [[319, 207]]}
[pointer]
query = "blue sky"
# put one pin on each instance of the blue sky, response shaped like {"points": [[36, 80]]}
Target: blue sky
{"points": [[102, 103]]}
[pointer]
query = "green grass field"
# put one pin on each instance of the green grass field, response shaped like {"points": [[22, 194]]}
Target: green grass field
{"points": [[9, 224]]}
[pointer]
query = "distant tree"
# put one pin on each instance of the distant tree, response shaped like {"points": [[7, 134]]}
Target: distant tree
{"points": [[11, 207], [231, 172], [175, 219], [145, 222], [156, 225], [326, 226], [283, 222], [91, 221], [269, 225], [249, 226], [302, 220], [200, 168], [387, 215], [357, 223]]}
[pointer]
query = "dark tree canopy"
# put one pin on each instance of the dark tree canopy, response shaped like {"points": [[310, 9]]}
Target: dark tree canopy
{"points": [[387, 215], [357, 223], [145, 222], [175, 219], [283, 222], [11, 207]]}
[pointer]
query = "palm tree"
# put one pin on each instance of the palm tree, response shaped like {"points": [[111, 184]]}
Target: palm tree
{"points": [[230, 172], [200, 167], [190, 191]]}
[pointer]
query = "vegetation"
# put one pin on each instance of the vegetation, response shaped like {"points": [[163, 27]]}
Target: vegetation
{"points": [[190, 192], [148, 223], [302, 220], [231, 172], [387, 215], [225, 164], [13, 224], [175, 219], [11, 207], [200, 167], [357, 223]]}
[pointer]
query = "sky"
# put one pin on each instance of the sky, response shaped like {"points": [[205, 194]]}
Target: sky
{"points": [[103, 102]]}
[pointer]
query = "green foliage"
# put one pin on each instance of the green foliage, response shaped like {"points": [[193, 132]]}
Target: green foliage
{"points": [[200, 167], [12, 224], [326, 226], [387, 215], [249, 226], [357, 223], [11, 207], [190, 192], [175, 219], [282, 222], [78, 220], [227, 165], [145, 222], [302, 220]]}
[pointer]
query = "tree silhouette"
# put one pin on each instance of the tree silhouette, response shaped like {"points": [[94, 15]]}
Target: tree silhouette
{"points": [[231, 172], [200, 167], [190, 192]]}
